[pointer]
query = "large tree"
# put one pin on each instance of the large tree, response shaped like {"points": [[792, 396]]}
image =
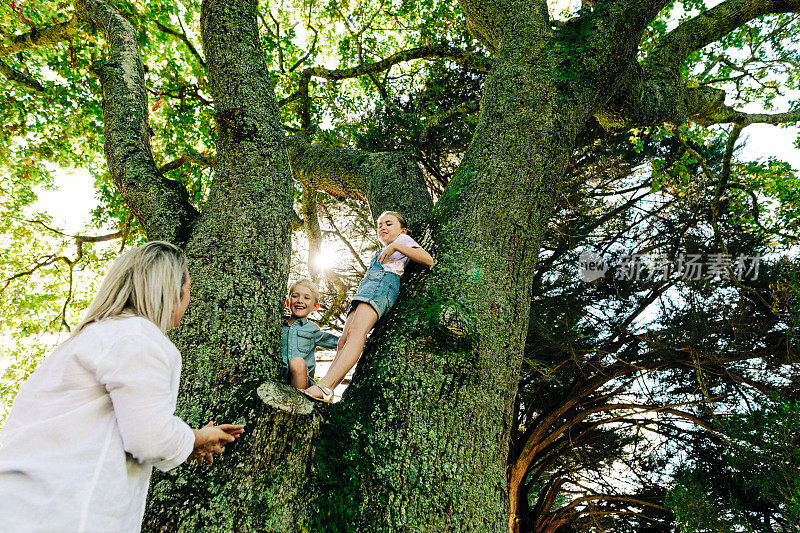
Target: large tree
{"points": [[421, 441]]}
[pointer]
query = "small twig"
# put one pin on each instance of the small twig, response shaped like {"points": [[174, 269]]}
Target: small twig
{"points": [[126, 231], [79, 238], [20, 78], [183, 38], [310, 51], [278, 41]]}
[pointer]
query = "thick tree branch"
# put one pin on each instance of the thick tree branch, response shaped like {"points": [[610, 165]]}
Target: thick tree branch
{"points": [[638, 12], [729, 115], [710, 26], [386, 180], [20, 78], [653, 92], [353, 174], [313, 232], [161, 205], [652, 97], [44, 37], [618, 26], [448, 116]]}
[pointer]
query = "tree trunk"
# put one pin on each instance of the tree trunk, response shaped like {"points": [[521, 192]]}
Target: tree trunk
{"points": [[239, 256]]}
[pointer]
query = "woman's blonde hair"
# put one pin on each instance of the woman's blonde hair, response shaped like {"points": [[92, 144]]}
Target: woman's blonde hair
{"points": [[145, 281]]}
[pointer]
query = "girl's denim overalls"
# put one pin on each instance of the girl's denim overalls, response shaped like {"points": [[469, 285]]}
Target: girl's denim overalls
{"points": [[379, 288]]}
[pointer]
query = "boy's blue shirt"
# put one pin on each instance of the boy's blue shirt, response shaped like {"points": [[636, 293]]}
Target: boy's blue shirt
{"points": [[301, 339]]}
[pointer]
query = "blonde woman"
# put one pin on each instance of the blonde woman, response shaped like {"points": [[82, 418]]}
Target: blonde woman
{"points": [[86, 429]]}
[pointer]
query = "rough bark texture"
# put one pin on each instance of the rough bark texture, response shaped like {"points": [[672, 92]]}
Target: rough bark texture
{"points": [[432, 394], [654, 92], [429, 407], [41, 37], [261, 483], [161, 205], [239, 253], [20, 78], [385, 180]]}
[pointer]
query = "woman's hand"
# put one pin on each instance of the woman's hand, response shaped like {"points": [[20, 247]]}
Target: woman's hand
{"points": [[210, 439]]}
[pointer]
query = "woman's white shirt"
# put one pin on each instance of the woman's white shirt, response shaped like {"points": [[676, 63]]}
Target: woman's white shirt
{"points": [[86, 429]]}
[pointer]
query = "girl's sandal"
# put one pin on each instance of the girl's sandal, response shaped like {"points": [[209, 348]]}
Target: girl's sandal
{"points": [[327, 394]]}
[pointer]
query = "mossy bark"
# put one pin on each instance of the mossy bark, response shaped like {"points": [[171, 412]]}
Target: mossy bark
{"points": [[389, 181], [239, 254], [160, 204], [428, 411], [429, 406]]}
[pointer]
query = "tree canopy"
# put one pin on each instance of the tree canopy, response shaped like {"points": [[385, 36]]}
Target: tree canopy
{"points": [[516, 136]]}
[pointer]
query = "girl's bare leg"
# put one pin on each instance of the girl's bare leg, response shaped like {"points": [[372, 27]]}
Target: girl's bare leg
{"points": [[354, 336]]}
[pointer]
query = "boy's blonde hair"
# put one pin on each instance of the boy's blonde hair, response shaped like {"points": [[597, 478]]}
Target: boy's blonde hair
{"points": [[400, 218], [310, 285], [145, 281]]}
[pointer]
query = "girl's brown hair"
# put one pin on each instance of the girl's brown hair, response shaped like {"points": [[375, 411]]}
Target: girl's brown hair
{"points": [[400, 218]]}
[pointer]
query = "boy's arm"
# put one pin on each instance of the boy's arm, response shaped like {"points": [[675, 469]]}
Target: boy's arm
{"points": [[327, 340]]}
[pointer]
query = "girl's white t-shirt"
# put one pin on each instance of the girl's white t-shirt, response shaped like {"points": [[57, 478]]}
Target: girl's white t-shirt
{"points": [[397, 261], [86, 429]]}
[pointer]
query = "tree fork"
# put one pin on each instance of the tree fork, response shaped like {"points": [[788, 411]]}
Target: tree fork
{"points": [[432, 394]]}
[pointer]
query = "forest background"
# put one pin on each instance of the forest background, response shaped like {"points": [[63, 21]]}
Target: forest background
{"points": [[697, 431]]}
